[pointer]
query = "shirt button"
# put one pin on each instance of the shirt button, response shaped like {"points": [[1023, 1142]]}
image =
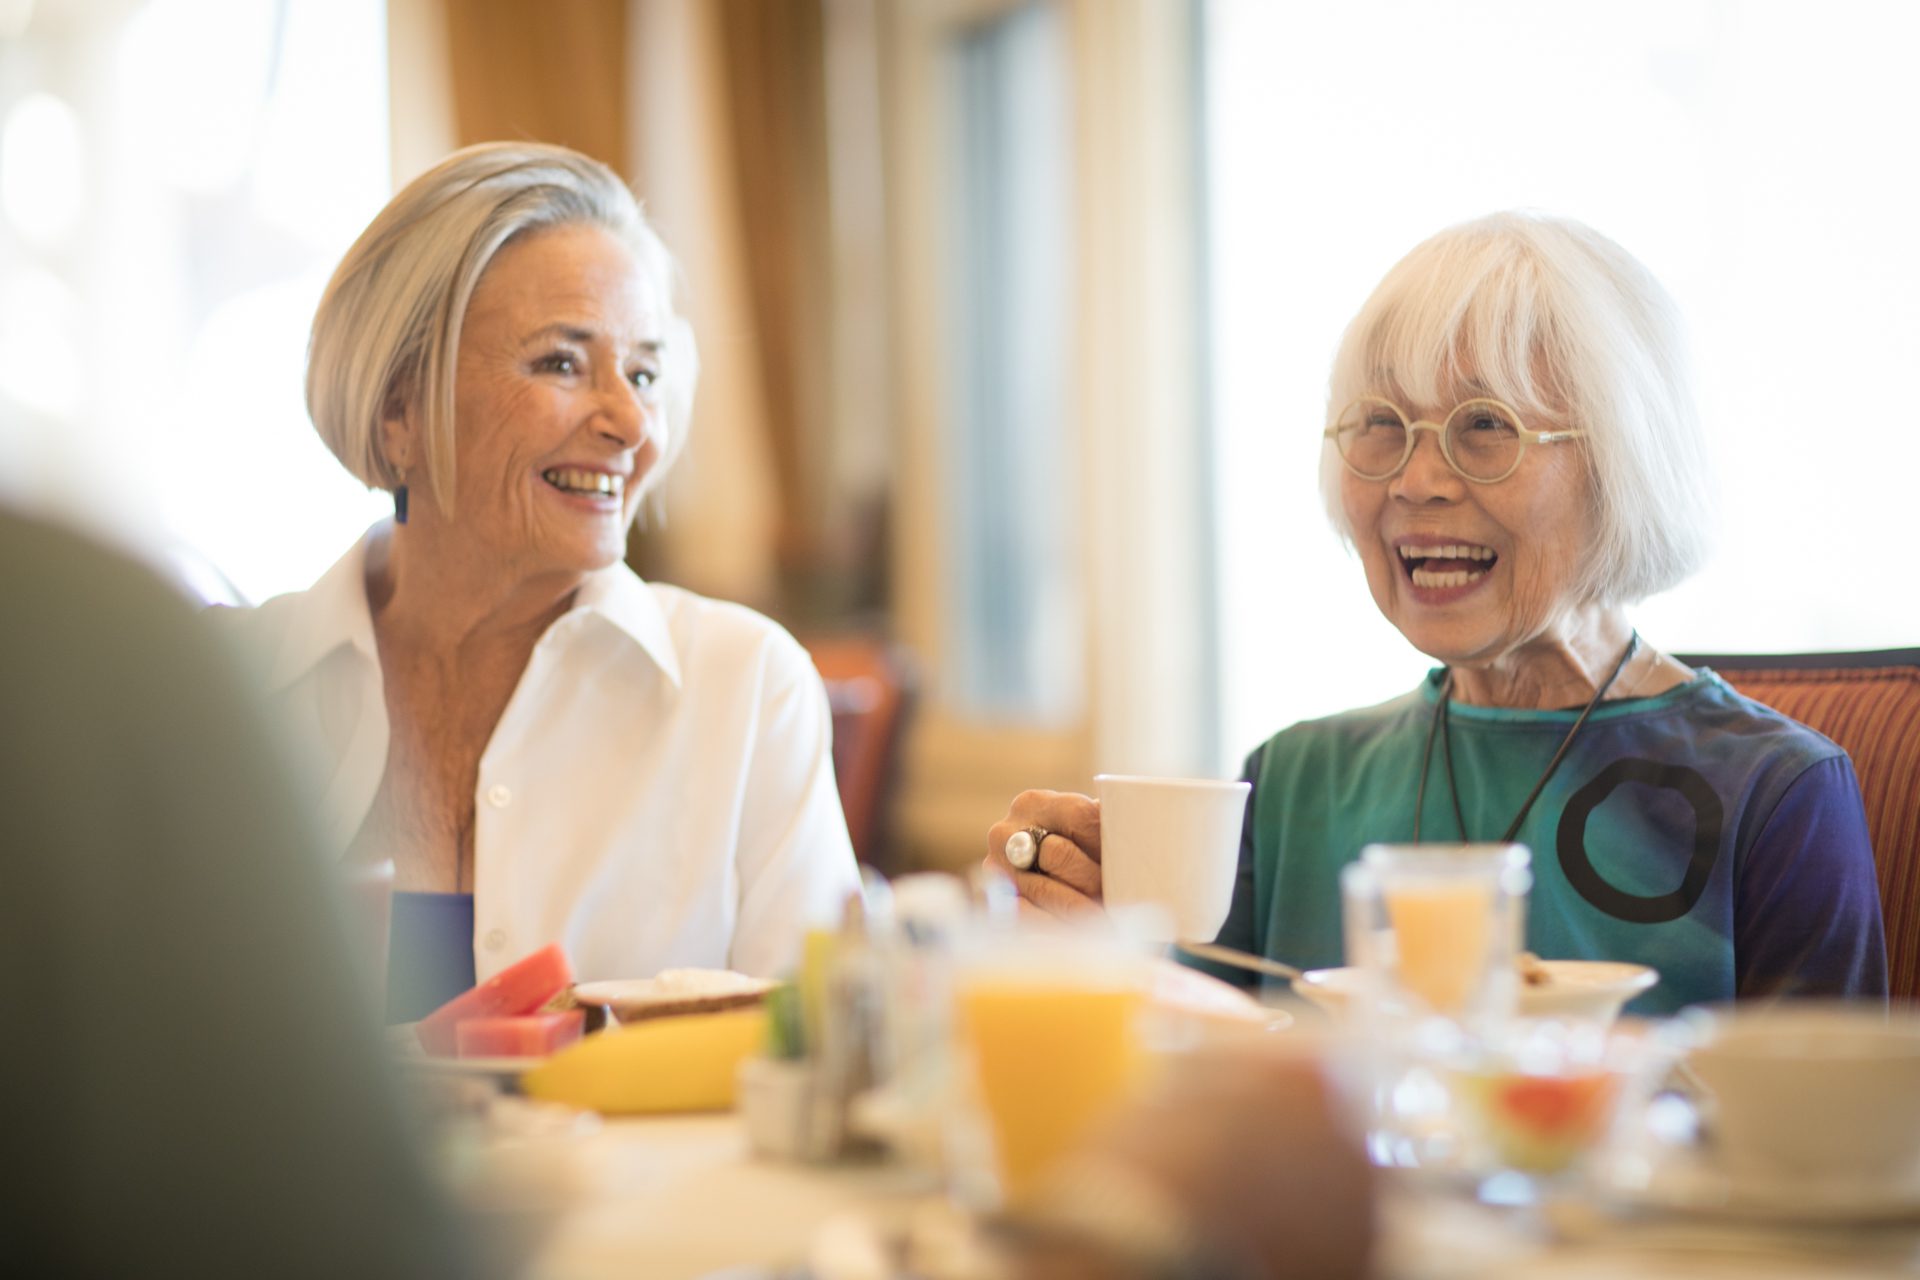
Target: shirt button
{"points": [[499, 795], [495, 939]]}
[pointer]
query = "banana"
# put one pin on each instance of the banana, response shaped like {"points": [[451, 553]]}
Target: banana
{"points": [[665, 1064]]}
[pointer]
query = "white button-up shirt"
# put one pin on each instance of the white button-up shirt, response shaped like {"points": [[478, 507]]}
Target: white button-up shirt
{"points": [[659, 791]]}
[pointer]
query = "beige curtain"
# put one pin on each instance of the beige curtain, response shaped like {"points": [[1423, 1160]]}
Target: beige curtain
{"points": [[723, 503], [789, 165], [771, 56], [547, 72]]}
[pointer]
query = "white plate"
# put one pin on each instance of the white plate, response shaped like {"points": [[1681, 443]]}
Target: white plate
{"points": [[404, 1043], [1574, 988], [1173, 988]]}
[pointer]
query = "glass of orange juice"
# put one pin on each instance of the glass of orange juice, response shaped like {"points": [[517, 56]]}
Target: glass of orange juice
{"points": [[1436, 929], [1047, 1029]]}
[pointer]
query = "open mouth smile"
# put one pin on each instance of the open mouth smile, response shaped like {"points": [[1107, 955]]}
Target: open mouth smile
{"points": [[1439, 565], [592, 484]]}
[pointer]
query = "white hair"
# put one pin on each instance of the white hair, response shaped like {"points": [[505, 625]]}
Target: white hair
{"points": [[387, 331], [1562, 323]]}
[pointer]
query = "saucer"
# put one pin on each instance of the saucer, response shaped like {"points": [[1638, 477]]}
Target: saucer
{"points": [[1582, 990], [1687, 1183]]}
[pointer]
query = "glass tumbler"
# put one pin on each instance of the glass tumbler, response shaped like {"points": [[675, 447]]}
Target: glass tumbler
{"points": [[1435, 929], [1047, 1025], [1434, 932]]}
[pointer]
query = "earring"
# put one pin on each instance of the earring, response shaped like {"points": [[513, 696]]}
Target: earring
{"points": [[400, 500]]}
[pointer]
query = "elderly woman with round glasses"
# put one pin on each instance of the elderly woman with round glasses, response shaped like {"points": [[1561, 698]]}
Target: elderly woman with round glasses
{"points": [[546, 747], [1513, 452]]}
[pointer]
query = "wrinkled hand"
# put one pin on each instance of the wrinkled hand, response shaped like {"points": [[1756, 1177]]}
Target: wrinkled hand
{"points": [[1065, 880]]}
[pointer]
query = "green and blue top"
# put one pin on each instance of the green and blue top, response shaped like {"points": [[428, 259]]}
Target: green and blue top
{"points": [[1697, 831]]}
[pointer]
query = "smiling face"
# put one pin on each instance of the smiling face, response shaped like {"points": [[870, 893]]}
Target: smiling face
{"points": [[558, 417], [1472, 574]]}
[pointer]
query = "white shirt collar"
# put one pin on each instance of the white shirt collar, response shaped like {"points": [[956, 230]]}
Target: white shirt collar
{"points": [[327, 616], [334, 613], [617, 595]]}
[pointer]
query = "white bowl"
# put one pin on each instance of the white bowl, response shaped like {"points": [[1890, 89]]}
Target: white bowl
{"points": [[1585, 990], [1817, 1094]]}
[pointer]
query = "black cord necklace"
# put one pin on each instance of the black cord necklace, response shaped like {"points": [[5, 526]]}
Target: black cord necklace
{"points": [[1441, 723]]}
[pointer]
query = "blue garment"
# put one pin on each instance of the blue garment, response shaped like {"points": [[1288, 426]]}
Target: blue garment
{"points": [[1697, 831], [429, 954]]}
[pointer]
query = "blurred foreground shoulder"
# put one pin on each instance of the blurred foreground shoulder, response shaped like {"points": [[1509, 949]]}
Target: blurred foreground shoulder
{"points": [[228, 1110]]}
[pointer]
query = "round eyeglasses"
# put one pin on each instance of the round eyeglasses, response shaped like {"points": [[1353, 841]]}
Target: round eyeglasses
{"points": [[1482, 440]]}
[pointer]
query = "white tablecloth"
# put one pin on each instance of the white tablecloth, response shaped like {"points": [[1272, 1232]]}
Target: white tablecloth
{"points": [[682, 1197]]}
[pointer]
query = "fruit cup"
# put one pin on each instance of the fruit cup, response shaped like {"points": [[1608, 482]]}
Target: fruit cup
{"points": [[1545, 1098]]}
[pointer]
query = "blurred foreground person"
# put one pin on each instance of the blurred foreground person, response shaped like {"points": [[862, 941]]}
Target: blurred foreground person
{"points": [[1244, 1166], [554, 749], [1513, 452], [193, 1080]]}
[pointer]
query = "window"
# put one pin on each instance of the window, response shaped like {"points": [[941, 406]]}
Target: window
{"points": [[1757, 156], [1015, 628]]}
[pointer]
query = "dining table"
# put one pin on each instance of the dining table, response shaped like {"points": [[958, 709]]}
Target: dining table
{"points": [[682, 1197]]}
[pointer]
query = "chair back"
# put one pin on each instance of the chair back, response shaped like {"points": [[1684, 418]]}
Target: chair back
{"points": [[1869, 703], [870, 688]]}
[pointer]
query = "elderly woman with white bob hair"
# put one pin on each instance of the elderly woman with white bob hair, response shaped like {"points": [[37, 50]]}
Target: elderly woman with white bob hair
{"points": [[1513, 451], [548, 748]]}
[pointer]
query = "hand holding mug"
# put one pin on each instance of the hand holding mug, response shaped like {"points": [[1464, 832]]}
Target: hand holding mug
{"points": [[1060, 847], [1169, 844]]}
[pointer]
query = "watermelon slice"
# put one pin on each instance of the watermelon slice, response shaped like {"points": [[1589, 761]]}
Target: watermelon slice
{"points": [[520, 988], [533, 1036]]}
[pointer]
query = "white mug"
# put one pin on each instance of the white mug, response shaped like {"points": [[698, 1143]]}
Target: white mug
{"points": [[1171, 844]]}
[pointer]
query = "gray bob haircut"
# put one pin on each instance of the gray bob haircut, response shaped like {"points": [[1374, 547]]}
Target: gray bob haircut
{"points": [[387, 331], [1565, 325]]}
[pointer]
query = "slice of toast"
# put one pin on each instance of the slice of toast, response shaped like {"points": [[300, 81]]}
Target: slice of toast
{"points": [[672, 992]]}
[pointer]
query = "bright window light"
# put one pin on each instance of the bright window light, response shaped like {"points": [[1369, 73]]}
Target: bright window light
{"points": [[39, 359], [42, 168], [1758, 157], [238, 148], [203, 71]]}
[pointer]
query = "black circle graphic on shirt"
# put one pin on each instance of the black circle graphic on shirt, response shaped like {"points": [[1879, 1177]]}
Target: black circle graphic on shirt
{"points": [[1635, 908]]}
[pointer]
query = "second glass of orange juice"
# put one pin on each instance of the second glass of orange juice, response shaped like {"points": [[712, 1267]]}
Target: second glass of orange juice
{"points": [[1438, 927]]}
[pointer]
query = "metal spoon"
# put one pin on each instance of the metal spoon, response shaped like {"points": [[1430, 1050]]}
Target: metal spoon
{"points": [[1237, 959]]}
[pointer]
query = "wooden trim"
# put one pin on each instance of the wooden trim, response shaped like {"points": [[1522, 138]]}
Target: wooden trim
{"points": [[1802, 661]]}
